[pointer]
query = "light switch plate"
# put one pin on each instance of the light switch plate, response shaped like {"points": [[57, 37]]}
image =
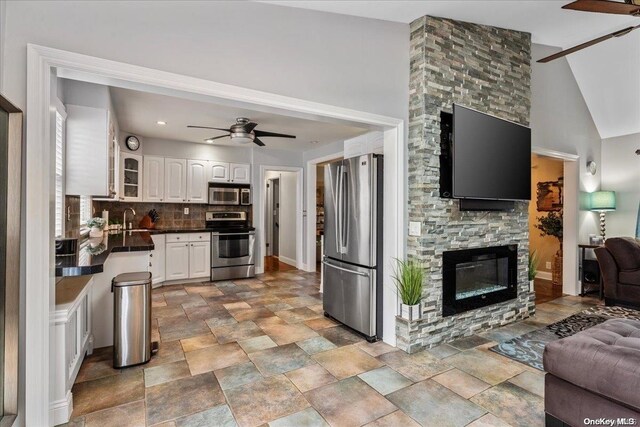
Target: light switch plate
{"points": [[548, 265], [186, 211], [415, 228]]}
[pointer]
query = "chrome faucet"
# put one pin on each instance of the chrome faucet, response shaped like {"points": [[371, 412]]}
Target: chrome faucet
{"points": [[124, 217]]}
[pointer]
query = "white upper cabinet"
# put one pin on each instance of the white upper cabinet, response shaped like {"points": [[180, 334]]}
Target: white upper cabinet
{"points": [[153, 181], [131, 177], [240, 173], [218, 171], [175, 182], [197, 180], [87, 151]]}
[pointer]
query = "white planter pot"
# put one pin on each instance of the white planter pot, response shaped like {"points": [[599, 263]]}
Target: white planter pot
{"points": [[531, 287], [410, 312], [96, 232]]}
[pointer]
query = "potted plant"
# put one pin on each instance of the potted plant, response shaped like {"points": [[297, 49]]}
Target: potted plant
{"points": [[408, 276], [551, 225], [96, 226], [533, 269]]}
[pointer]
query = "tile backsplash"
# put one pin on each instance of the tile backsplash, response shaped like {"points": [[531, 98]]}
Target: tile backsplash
{"points": [[171, 214]]}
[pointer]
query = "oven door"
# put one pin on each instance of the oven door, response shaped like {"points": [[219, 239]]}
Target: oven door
{"points": [[229, 249], [224, 196]]}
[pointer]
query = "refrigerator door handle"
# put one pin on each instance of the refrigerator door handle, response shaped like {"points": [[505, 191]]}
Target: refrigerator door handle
{"points": [[338, 211], [346, 270], [344, 233]]}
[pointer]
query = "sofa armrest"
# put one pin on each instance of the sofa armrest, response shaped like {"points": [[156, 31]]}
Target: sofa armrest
{"points": [[608, 271]]}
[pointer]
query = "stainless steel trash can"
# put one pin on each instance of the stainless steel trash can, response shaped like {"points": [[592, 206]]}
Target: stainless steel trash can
{"points": [[132, 319]]}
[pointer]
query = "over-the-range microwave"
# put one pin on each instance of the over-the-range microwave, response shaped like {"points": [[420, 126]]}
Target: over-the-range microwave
{"points": [[229, 194]]}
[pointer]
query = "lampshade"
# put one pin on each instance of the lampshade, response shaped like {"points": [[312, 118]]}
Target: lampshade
{"points": [[602, 201]]}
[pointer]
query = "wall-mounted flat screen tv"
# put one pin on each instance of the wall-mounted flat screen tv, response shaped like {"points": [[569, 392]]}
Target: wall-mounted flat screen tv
{"points": [[491, 157]]}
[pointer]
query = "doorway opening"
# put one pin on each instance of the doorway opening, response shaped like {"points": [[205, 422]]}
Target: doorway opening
{"points": [[546, 224], [282, 240]]}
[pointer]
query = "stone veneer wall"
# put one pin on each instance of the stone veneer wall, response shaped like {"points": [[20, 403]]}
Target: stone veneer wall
{"points": [[487, 69]]}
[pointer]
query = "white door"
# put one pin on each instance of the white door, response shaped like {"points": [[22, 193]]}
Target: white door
{"points": [[131, 178], [175, 180], [153, 179], [199, 263], [218, 171], [197, 181], [157, 259], [177, 260], [240, 173]]}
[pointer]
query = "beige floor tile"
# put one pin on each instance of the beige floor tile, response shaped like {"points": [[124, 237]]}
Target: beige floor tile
{"points": [[394, 419], [103, 393], [165, 373], [278, 360], [377, 348], [113, 417], [530, 381], [461, 382], [489, 420], [346, 361], [513, 404], [186, 396], [265, 400], [475, 362], [196, 343], [216, 357], [308, 418], [285, 334], [385, 380], [310, 377], [416, 367], [237, 375], [350, 402], [320, 323], [252, 345]]}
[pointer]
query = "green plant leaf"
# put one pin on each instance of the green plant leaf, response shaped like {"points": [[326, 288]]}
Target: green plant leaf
{"points": [[408, 277]]}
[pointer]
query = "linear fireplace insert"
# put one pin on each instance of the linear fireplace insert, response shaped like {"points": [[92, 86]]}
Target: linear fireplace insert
{"points": [[474, 278]]}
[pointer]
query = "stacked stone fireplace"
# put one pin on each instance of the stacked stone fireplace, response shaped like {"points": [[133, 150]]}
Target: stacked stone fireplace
{"points": [[487, 69]]}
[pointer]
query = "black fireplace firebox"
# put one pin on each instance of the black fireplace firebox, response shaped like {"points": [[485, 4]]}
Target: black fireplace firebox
{"points": [[474, 278]]}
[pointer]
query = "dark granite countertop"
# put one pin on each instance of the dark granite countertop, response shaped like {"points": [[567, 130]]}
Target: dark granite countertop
{"points": [[93, 252], [178, 230]]}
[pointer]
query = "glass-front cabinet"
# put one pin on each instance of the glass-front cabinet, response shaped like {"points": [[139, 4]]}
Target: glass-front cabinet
{"points": [[130, 177]]}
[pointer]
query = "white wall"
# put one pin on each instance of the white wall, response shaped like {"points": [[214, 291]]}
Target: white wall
{"points": [[339, 60], [621, 173], [3, 25], [561, 121]]}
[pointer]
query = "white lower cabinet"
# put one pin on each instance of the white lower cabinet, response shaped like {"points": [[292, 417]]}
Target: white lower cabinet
{"points": [[157, 259], [199, 263], [72, 341], [177, 261], [188, 256]]}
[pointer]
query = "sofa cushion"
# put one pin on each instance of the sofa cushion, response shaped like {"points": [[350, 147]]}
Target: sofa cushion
{"points": [[604, 359], [630, 277], [626, 252]]}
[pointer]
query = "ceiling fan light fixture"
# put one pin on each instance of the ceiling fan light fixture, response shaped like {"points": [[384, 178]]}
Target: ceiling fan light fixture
{"points": [[242, 138]]}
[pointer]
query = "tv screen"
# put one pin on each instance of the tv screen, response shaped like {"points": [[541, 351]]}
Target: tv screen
{"points": [[491, 157]]}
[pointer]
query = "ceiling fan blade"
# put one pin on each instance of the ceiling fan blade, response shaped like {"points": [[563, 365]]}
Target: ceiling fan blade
{"points": [[258, 142], [604, 6], [207, 127], [566, 52], [279, 135], [249, 127], [217, 137]]}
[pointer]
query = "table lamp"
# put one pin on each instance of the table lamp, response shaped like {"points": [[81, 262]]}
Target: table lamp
{"points": [[602, 201]]}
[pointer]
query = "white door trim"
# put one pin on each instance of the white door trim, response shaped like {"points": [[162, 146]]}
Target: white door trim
{"points": [[310, 210], [262, 235], [570, 284], [39, 255]]}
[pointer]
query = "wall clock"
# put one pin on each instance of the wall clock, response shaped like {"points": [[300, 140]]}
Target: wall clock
{"points": [[592, 167], [132, 142]]}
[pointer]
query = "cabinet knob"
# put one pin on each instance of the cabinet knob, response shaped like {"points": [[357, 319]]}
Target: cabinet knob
{"points": [[150, 255]]}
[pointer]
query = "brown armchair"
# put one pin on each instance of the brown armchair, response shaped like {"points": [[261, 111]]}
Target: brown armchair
{"points": [[619, 261]]}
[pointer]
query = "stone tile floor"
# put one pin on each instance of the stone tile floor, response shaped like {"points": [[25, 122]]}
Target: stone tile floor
{"points": [[260, 352]]}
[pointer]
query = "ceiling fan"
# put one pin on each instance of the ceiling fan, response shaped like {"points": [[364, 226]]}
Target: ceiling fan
{"points": [[629, 7], [243, 132]]}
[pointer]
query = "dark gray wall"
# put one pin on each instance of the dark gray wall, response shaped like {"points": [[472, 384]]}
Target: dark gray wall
{"points": [[487, 69]]}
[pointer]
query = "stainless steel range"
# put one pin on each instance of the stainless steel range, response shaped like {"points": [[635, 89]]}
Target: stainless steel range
{"points": [[232, 245]]}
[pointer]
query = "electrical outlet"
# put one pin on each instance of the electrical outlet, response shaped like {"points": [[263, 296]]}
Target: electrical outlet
{"points": [[415, 228], [548, 265], [186, 211]]}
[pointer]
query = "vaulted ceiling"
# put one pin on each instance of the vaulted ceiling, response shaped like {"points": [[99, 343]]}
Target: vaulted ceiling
{"points": [[608, 74]]}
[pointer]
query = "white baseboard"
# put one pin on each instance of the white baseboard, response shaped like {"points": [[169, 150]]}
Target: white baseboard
{"points": [[286, 260], [544, 275], [60, 410]]}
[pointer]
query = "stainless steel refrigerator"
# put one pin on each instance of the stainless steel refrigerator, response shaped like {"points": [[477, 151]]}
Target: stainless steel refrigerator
{"points": [[351, 263]]}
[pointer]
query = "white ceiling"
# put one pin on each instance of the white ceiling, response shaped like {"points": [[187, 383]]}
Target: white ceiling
{"points": [[608, 74], [138, 112]]}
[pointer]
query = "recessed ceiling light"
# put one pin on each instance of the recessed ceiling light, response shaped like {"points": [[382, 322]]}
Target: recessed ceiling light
{"points": [[313, 142], [161, 123]]}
